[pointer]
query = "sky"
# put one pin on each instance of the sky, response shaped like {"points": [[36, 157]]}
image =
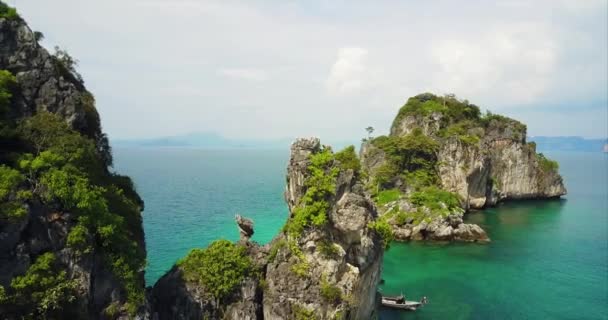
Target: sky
{"points": [[275, 69]]}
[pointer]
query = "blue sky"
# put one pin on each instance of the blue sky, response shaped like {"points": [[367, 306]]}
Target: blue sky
{"points": [[281, 69]]}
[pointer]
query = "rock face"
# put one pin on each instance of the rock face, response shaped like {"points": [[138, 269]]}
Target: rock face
{"points": [[245, 227], [482, 159], [450, 228], [44, 86], [330, 271], [501, 166], [353, 269]]}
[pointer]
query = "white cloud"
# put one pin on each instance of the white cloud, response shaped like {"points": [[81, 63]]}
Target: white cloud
{"points": [[349, 73], [267, 69], [244, 74], [514, 64]]}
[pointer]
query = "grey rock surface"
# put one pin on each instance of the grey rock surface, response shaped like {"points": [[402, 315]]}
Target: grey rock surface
{"points": [[355, 267], [245, 227], [43, 85]]}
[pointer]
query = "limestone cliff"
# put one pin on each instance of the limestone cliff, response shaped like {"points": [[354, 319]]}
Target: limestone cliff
{"points": [[61, 209], [496, 164], [482, 159], [341, 259], [46, 83], [325, 264]]}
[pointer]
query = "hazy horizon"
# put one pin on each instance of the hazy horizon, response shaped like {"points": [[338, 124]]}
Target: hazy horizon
{"points": [[214, 141], [279, 69], [218, 135]]}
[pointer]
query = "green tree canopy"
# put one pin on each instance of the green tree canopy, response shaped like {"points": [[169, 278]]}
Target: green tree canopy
{"points": [[219, 268], [44, 290], [348, 159]]}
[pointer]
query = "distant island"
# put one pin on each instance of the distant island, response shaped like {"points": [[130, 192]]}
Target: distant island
{"points": [[206, 140], [212, 140], [544, 143]]}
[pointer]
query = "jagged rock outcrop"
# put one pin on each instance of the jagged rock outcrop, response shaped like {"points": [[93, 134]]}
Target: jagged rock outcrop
{"points": [[43, 84], [245, 227], [482, 159], [501, 166], [351, 269], [443, 228], [329, 269]]}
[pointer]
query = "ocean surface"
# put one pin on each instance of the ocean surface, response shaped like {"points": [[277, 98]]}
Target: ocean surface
{"points": [[547, 259]]}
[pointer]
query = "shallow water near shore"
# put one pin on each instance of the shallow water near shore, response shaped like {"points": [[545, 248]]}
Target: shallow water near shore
{"points": [[547, 259]]}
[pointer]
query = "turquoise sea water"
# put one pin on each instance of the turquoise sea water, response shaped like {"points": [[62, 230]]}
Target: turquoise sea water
{"points": [[547, 259], [192, 195]]}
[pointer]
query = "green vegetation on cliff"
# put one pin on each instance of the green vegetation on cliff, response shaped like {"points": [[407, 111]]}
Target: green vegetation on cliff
{"points": [[411, 150], [386, 196], [2, 295], [459, 118], [331, 293], [411, 157], [66, 171], [301, 268], [327, 249], [547, 164], [220, 268], [452, 109], [435, 199], [10, 206], [47, 164], [464, 131], [7, 86], [384, 229], [313, 207], [7, 12], [431, 202], [303, 313], [66, 65], [321, 185], [274, 249], [433, 141], [44, 291], [348, 159]]}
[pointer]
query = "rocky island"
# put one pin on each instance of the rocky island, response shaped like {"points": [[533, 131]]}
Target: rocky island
{"points": [[71, 237], [442, 158]]}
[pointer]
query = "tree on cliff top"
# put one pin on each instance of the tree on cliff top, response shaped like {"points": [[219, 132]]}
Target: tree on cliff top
{"points": [[8, 12], [219, 268]]}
